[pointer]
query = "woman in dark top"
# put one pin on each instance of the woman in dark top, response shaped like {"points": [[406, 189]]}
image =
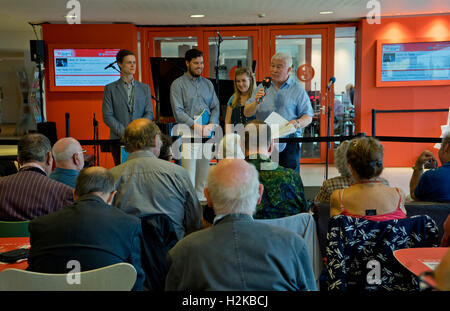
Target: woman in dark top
{"points": [[244, 84]]}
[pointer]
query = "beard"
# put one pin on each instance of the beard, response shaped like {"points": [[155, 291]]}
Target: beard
{"points": [[193, 73]]}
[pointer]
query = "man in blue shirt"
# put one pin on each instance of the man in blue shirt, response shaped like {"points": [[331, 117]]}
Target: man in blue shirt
{"points": [[69, 160], [190, 94], [433, 185], [289, 99]]}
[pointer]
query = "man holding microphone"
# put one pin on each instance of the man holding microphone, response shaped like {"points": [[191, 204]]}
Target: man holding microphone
{"points": [[288, 98]]}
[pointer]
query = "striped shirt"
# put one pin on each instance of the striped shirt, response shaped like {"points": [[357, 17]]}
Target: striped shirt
{"points": [[30, 193]]}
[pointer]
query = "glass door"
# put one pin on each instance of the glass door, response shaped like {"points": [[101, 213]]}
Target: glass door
{"points": [[308, 48], [237, 49]]}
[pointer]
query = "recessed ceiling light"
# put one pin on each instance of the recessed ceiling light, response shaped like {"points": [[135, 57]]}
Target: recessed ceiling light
{"points": [[197, 15], [326, 12]]}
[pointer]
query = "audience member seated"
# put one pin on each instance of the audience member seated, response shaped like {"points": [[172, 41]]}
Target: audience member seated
{"points": [[166, 151], [432, 185], [69, 160], [442, 273], [90, 231], [148, 185], [368, 197], [283, 188], [339, 182], [230, 147], [446, 237], [30, 192], [238, 253]]}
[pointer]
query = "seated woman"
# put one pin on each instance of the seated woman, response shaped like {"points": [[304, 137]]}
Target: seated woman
{"points": [[244, 84], [368, 197], [339, 182]]}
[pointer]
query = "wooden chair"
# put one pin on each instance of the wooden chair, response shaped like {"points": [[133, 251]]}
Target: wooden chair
{"points": [[117, 277], [14, 229]]}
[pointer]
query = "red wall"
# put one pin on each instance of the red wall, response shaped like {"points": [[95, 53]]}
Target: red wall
{"points": [[83, 105], [416, 97]]}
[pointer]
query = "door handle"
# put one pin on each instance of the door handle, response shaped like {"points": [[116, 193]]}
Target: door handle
{"points": [[323, 109]]}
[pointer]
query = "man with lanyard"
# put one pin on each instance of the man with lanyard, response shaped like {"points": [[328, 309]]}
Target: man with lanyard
{"points": [[289, 99], [190, 94], [125, 100]]}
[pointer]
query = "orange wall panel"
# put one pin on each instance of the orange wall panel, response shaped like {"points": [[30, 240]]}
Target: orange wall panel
{"points": [[393, 98], [83, 105]]}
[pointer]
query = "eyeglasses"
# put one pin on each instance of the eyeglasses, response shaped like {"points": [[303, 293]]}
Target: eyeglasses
{"points": [[82, 151]]}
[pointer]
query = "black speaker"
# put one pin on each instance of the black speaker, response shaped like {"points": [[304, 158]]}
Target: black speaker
{"points": [[37, 50], [48, 129]]}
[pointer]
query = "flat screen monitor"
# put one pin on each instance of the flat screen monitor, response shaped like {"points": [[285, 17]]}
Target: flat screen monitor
{"points": [[164, 71], [81, 68], [413, 63]]}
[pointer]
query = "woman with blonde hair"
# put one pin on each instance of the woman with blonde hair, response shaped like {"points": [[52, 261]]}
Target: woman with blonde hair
{"points": [[244, 84], [368, 197]]}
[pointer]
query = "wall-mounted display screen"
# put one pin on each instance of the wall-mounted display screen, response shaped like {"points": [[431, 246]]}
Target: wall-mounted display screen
{"points": [[84, 67], [413, 63]]}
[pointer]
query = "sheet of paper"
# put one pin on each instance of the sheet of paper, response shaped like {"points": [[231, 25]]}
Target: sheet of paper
{"points": [[279, 125]]}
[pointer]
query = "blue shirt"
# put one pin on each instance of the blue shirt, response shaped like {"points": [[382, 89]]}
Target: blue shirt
{"points": [[290, 101], [434, 185], [189, 96], [64, 175]]}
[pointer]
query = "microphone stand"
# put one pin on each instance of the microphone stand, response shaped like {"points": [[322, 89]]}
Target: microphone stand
{"points": [[328, 131], [96, 146], [217, 66]]}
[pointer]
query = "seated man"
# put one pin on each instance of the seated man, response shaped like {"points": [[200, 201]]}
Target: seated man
{"points": [[69, 160], [432, 185], [148, 185], [30, 193], [283, 188], [238, 253], [90, 231]]}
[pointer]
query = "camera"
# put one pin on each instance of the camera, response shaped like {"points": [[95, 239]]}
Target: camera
{"points": [[430, 164]]}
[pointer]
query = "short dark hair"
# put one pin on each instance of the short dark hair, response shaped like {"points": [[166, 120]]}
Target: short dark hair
{"points": [[365, 155], [192, 53], [261, 128], [140, 137], [94, 179], [121, 55], [33, 147]]}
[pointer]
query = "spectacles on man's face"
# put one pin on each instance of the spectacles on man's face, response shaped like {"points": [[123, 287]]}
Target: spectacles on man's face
{"points": [[82, 151]]}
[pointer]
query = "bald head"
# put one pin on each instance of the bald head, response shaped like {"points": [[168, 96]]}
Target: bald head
{"points": [[232, 187], [68, 154], [141, 134]]}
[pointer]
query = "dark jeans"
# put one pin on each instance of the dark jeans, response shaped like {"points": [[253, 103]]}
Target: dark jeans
{"points": [[290, 157]]}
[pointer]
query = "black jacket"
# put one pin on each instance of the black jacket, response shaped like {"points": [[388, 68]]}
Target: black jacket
{"points": [[90, 231]]}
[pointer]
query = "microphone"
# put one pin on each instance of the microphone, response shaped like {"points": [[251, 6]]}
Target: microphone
{"points": [[266, 84], [332, 80], [110, 65], [220, 37]]}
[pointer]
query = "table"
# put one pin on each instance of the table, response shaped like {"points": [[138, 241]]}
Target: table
{"points": [[8, 244], [421, 259]]}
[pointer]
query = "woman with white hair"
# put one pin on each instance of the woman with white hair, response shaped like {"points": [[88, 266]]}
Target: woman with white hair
{"points": [[339, 182]]}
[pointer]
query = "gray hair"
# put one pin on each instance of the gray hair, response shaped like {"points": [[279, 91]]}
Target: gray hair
{"points": [[94, 179], [340, 158], [230, 147], [33, 148], [65, 151], [283, 56], [240, 197]]}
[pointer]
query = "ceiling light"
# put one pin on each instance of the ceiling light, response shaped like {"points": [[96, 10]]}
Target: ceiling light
{"points": [[326, 12], [197, 15]]}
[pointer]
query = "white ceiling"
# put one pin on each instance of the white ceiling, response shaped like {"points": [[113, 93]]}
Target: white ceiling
{"points": [[15, 14]]}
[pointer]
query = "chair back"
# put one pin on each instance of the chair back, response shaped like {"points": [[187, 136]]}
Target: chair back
{"points": [[14, 229], [360, 255], [304, 225], [117, 277]]}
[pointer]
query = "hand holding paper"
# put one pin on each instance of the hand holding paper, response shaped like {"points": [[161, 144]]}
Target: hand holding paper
{"points": [[280, 126]]}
